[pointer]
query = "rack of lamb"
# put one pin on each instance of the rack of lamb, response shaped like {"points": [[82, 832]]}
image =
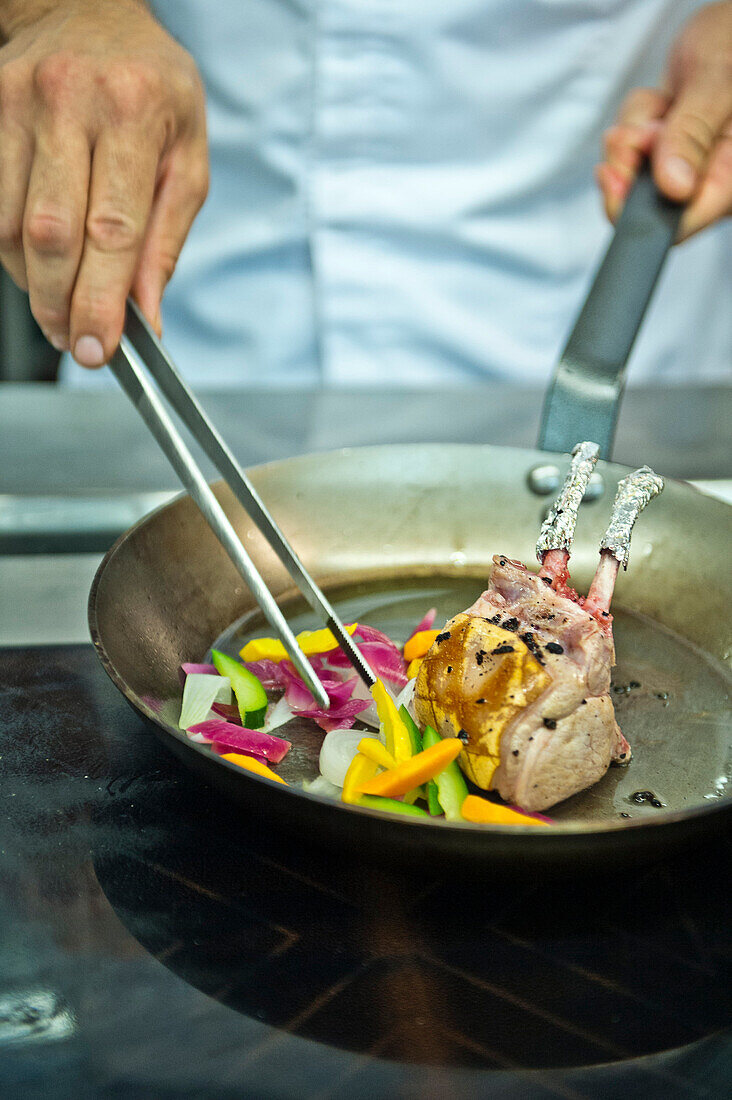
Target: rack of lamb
{"points": [[523, 676]]}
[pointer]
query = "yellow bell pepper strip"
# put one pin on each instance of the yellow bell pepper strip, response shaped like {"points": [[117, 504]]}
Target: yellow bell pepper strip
{"points": [[413, 668], [373, 748], [482, 812], [311, 642], [390, 805], [252, 765], [398, 741], [360, 770], [415, 771], [419, 643], [451, 787], [415, 795]]}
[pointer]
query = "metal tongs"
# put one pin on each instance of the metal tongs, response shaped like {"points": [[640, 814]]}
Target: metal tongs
{"points": [[140, 346]]}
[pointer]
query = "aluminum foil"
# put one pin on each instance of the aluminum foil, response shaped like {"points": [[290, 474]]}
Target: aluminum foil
{"points": [[634, 492], [557, 530]]}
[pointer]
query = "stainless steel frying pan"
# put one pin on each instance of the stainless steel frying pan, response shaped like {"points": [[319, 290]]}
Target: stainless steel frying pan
{"points": [[391, 531]]}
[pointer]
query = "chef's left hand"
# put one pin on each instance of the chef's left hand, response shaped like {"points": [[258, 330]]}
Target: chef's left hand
{"points": [[686, 129]]}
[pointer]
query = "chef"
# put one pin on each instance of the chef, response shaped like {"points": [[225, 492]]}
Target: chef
{"points": [[400, 190]]}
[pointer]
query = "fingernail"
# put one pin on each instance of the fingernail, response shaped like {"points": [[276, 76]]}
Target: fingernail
{"points": [[58, 342], [88, 352], [679, 172]]}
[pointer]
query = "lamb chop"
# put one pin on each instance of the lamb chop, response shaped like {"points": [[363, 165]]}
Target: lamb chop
{"points": [[523, 676]]}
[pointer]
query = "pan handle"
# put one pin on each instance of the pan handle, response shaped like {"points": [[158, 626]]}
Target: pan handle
{"points": [[584, 395]]}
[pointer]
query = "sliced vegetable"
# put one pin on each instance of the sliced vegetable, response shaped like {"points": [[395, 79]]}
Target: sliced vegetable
{"points": [[337, 752], [200, 692], [415, 794], [269, 673], [405, 698], [419, 644], [373, 748], [390, 805], [430, 788], [482, 812], [382, 654], [253, 766], [321, 786], [452, 789], [360, 771], [343, 709], [278, 715], [311, 642], [241, 739], [191, 669], [415, 771], [433, 799], [250, 695], [396, 734], [414, 667], [426, 623], [415, 737], [228, 711]]}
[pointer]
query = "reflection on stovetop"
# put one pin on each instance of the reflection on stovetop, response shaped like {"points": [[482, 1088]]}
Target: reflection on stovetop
{"points": [[489, 972], [484, 973]]}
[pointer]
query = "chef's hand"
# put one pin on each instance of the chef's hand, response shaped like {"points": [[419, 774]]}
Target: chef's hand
{"points": [[686, 128], [103, 163]]}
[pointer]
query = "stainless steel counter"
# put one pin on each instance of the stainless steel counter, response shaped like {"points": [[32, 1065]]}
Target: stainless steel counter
{"points": [[76, 469]]}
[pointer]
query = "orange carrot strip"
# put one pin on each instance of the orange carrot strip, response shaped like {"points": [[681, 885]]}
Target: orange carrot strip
{"points": [[415, 771], [482, 812], [419, 643], [252, 765]]}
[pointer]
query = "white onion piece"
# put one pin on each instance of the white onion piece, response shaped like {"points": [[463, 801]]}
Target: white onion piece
{"points": [[322, 786], [279, 713], [405, 698], [369, 717], [200, 692], [336, 753]]}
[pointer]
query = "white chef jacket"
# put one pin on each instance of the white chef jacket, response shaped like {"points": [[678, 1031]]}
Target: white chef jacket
{"points": [[402, 193]]}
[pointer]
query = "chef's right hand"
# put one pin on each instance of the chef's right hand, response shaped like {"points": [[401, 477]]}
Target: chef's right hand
{"points": [[103, 163]]}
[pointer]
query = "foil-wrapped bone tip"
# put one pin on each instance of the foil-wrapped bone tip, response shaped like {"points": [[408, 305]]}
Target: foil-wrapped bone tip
{"points": [[634, 492], [557, 530]]}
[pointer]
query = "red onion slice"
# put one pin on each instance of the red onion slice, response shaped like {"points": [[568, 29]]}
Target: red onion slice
{"points": [[240, 739]]}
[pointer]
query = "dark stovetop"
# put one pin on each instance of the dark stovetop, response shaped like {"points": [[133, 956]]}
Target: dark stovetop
{"points": [[156, 944]]}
